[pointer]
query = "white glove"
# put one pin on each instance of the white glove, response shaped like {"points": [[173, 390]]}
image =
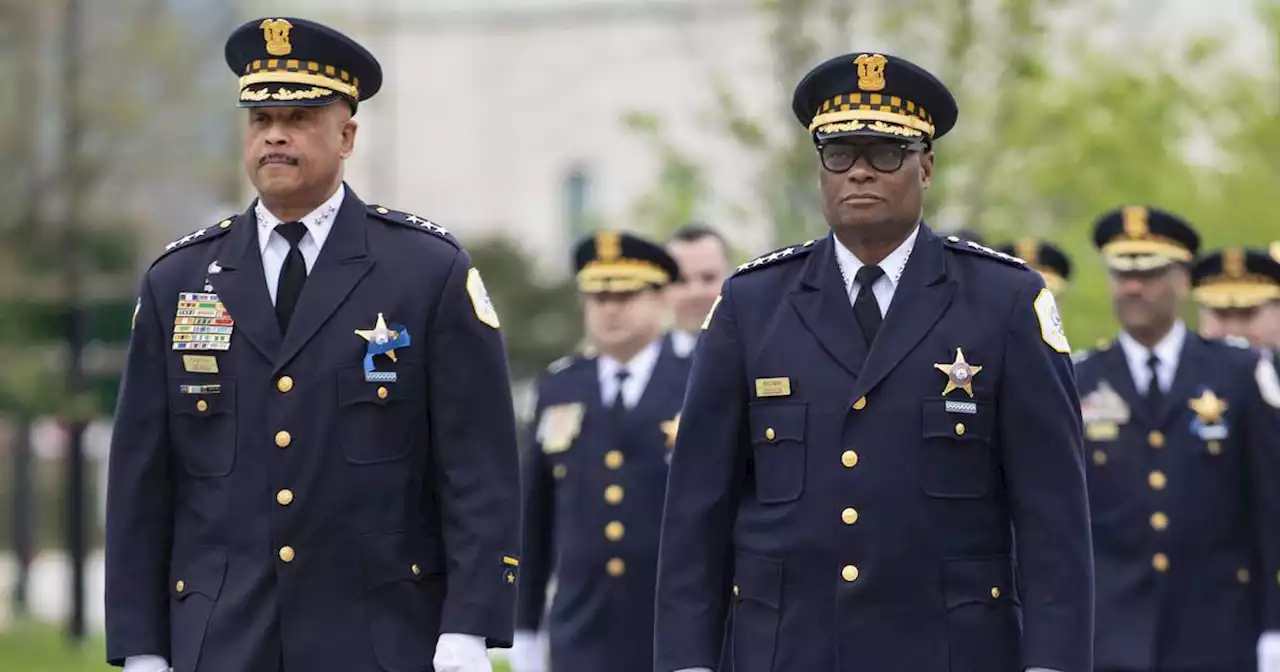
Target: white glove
{"points": [[1269, 652], [146, 664], [461, 653], [526, 653]]}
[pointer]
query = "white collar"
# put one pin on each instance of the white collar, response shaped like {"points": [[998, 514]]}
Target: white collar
{"points": [[1167, 350], [638, 367], [892, 265], [319, 222]]}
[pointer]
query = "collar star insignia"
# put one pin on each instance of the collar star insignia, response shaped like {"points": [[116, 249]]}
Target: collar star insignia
{"points": [[671, 428], [1209, 407], [380, 335], [959, 374]]}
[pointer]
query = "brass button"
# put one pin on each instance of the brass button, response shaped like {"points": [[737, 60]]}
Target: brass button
{"points": [[613, 459], [558, 472], [283, 439], [1155, 439], [849, 459], [995, 592], [1159, 521], [285, 384], [180, 586], [959, 429], [849, 573], [613, 494], [1242, 575], [284, 497], [1160, 562], [614, 531], [769, 434], [1215, 448], [1099, 458], [860, 404], [224, 224], [383, 393], [616, 567], [1157, 480], [202, 405], [1277, 577], [286, 553], [849, 516], [415, 569], [382, 211], [735, 590]]}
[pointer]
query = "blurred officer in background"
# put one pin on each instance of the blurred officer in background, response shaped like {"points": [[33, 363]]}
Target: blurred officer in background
{"points": [[1049, 260], [703, 257], [1183, 469], [604, 427]]}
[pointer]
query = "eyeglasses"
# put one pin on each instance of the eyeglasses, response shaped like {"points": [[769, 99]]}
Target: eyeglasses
{"points": [[884, 157]]}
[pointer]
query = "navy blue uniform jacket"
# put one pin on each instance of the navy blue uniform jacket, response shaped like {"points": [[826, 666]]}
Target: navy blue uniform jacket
{"points": [[861, 519], [588, 481], [295, 516]]}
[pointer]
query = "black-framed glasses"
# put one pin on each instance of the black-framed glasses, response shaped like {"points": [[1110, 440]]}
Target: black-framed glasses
{"points": [[884, 157]]}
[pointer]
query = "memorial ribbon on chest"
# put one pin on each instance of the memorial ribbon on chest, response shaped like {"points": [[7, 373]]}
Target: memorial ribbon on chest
{"points": [[1210, 410], [201, 323], [382, 340]]}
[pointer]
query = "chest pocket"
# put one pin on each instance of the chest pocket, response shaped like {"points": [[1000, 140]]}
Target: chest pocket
{"points": [[379, 422], [956, 448], [778, 448], [202, 427]]}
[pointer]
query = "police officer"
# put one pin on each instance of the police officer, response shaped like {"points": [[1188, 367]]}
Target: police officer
{"points": [[870, 418], [314, 461], [1049, 260], [604, 428], [703, 257], [1183, 462], [1237, 291]]}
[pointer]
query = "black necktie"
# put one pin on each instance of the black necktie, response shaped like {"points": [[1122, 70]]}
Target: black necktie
{"points": [[293, 275], [619, 407], [865, 307], [1155, 396]]}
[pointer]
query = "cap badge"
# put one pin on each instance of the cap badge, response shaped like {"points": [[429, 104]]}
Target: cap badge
{"points": [[1233, 262], [871, 71], [1135, 221], [608, 246], [276, 33]]}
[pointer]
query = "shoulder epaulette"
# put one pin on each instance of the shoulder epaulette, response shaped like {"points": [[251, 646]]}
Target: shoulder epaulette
{"points": [[1081, 356], [201, 235], [957, 243], [792, 252], [561, 364], [413, 222], [1233, 341]]}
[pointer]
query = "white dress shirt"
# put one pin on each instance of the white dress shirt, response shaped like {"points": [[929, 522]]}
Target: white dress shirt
{"points": [[892, 265], [639, 370], [1168, 350], [275, 248]]}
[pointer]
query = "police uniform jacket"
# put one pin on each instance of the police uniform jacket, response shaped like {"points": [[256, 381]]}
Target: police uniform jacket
{"points": [[593, 505], [867, 521], [270, 509], [1186, 510]]}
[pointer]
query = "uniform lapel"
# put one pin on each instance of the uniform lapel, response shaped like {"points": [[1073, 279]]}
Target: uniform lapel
{"points": [[821, 299], [1184, 378], [242, 286], [922, 296], [1118, 373], [343, 261]]}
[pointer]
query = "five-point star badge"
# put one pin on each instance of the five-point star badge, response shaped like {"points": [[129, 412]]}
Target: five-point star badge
{"points": [[959, 374], [1209, 407], [382, 340], [380, 335]]}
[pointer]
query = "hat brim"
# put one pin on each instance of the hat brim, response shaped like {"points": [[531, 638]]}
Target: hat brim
{"points": [[285, 94]]}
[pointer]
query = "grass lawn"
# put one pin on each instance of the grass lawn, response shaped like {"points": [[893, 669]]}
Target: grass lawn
{"points": [[42, 648]]}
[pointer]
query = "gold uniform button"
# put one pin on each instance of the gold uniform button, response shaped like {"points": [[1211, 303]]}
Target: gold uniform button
{"points": [[1215, 448], [735, 590], [1242, 575], [1157, 480], [382, 210], [180, 586], [616, 567], [286, 553], [769, 434], [1159, 521], [613, 459], [1099, 458], [283, 439], [849, 459], [383, 393], [1155, 439], [1277, 577], [613, 494], [415, 569], [849, 516], [202, 405], [1160, 562], [558, 472], [959, 429], [995, 592], [860, 404], [284, 497], [285, 384], [849, 573], [614, 531], [224, 224]]}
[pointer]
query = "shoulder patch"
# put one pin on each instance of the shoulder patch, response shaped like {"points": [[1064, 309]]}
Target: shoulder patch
{"points": [[198, 236], [413, 222], [1268, 381], [1051, 322], [956, 243], [792, 252]]}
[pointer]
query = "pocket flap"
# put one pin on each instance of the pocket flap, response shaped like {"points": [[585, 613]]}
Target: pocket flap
{"points": [[354, 389], [777, 421], [984, 580], [201, 574], [201, 397], [387, 558], [962, 419], [758, 578]]}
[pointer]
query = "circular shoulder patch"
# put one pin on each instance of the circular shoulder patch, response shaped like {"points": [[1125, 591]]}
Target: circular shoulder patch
{"points": [[1051, 322]]}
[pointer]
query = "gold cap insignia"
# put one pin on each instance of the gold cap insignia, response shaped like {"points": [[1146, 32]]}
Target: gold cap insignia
{"points": [[1135, 221], [871, 71], [1233, 262], [276, 33], [608, 246]]}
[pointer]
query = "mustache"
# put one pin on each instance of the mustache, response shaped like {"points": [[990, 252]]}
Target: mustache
{"points": [[276, 157]]}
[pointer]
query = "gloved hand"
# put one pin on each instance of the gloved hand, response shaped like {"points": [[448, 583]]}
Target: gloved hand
{"points": [[1269, 652], [526, 653], [461, 653], [146, 664]]}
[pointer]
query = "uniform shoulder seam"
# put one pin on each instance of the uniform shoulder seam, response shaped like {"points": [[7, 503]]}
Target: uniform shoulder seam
{"points": [[196, 237], [413, 222], [782, 254], [970, 247]]}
